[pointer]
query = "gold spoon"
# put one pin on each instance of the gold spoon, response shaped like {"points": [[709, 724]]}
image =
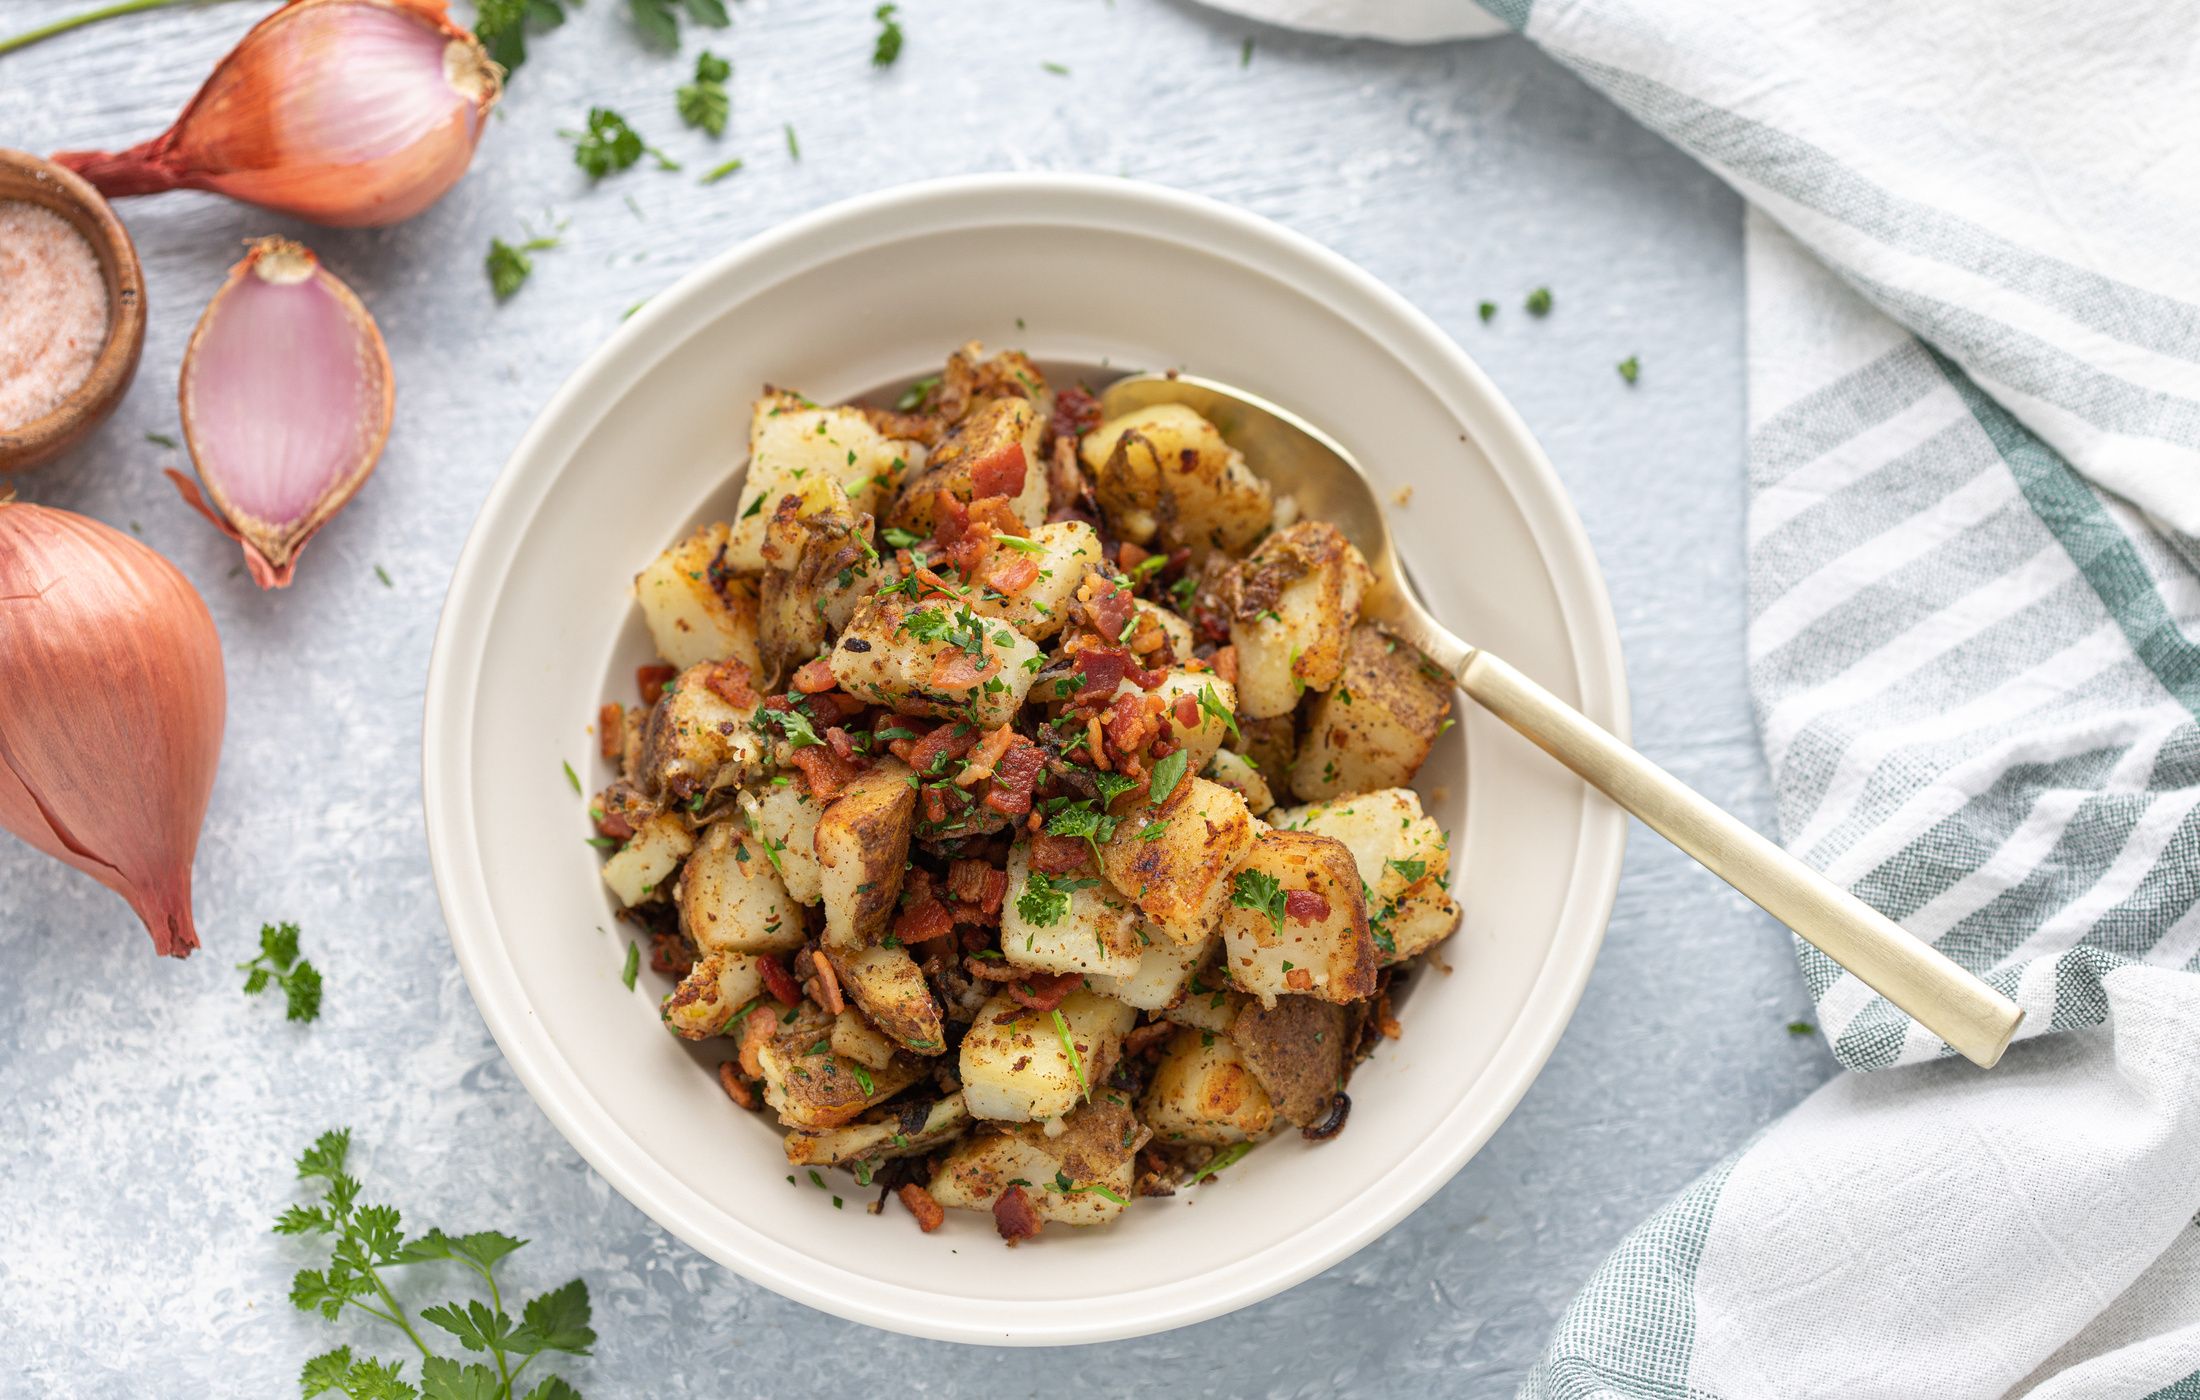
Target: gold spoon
{"points": [[1300, 459]]}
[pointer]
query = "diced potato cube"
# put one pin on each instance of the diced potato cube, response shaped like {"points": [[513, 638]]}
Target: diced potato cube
{"points": [[1207, 1008], [1393, 845], [1181, 880], [784, 818], [889, 987], [935, 658], [1072, 923], [1374, 728], [1270, 745], [1216, 706], [822, 564], [1178, 631], [997, 442], [1061, 551], [1326, 951], [1236, 772], [899, 1130], [695, 740], [855, 1038], [1082, 1175], [1164, 472], [813, 1089], [1017, 1067], [790, 442], [640, 869], [1416, 922], [1292, 604], [862, 845], [695, 608], [704, 1003], [1165, 971], [731, 900], [1203, 1092]]}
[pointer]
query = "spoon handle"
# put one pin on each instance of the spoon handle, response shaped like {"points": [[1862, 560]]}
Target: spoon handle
{"points": [[1948, 1001]]}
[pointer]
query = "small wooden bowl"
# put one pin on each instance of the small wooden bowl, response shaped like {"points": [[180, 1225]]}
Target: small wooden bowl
{"points": [[26, 177]]}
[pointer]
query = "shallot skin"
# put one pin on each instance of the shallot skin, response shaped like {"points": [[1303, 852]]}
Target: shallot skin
{"points": [[349, 113], [111, 713]]}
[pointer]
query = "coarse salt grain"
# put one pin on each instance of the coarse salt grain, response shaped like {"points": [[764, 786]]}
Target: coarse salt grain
{"points": [[53, 311]]}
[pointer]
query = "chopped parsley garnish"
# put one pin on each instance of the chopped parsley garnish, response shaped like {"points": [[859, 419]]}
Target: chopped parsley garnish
{"points": [[1064, 1186], [1630, 368], [1801, 1028], [1081, 818], [863, 1078], [1488, 311], [501, 26], [1167, 773], [1069, 1048], [1019, 542], [1113, 785], [1059, 70], [659, 20], [509, 266], [705, 103], [1210, 705], [794, 724], [572, 777], [1413, 870], [1153, 831], [716, 173], [610, 145], [1258, 891], [1045, 900], [278, 962], [898, 538], [633, 966], [913, 397], [1228, 1156], [1539, 302], [888, 47], [794, 151]]}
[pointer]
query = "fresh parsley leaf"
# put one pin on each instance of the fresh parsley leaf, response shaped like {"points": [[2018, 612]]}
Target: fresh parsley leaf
{"points": [[898, 538], [1064, 1186], [705, 102], [794, 146], [1210, 705], [278, 964], [1245, 53], [556, 1321], [794, 724], [502, 26], [1413, 870], [633, 967], [1801, 1028], [1112, 786], [1258, 891], [1167, 773], [1082, 819], [1487, 311], [1539, 302], [888, 47], [711, 177], [1630, 369], [1226, 1157], [1045, 900], [1153, 831], [659, 20], [913, 397], [607, 146], [444, 1379]]}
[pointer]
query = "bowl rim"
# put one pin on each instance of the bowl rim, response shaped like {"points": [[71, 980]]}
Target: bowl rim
{"points": [[611, 369]]}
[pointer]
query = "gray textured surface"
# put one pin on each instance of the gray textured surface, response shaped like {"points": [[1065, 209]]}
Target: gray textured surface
{"points": [[148, 1112]]}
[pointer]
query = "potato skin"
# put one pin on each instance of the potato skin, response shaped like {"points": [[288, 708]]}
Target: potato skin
{"points": [[1237, 773], [787, 449], [1098, 1146], [999, 426], [890, 989], [695, 740], [1202, 1091], [1402, 858], [1181, 882], [719, 985], [1331, 956], [1299, 1049], [1375, 726], [821, 1091], [862, 844], [921, 1127], [694, 606], [1098, 934], [784, 814], [1291, 604], [1165, 472], [822, 563]]}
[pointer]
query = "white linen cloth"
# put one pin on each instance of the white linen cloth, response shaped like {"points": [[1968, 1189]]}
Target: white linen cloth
{"points": [[1974, 353]]}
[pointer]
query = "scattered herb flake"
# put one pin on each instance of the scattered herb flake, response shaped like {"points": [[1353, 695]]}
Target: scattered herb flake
{"points": [[384, 575], [716, 173], [704, 103], [888, 47], [794, 145], [1228, 1156], [278, 963], [1630, 369], [1059, 70], [161, 440], [633, 966], [1539, 302], [1258, 891]]}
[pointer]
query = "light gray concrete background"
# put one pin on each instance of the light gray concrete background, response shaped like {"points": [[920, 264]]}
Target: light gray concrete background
{"points": [[149, 1112]]}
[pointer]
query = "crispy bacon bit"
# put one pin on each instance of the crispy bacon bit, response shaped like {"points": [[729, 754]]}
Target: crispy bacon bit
{"points": [[1076, 413], [959, 670], [1298, 979], [1225, 662], [1133, 720], [1305, 906], [820, 981], [1186, 711], [835, 704], [953, 738], [1096, 744], [977, 886], [1042, 991], [611, 730], [1129, 556], [1111, 611], [756, 1033], [1010, 573], [1058, 855], [813, 676], [670, 954], [1107, 667], [777, 982], [825, 772], [1385, 1021], [985, 755], [731, 682], [923, 921], [737, 1089], [1001, 471], [1014, 1216], [838, 741], [652, 680], [929, 1213], [997, 514], [1015, 773]]}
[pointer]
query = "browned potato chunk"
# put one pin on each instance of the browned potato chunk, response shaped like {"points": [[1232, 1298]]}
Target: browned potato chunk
{"points": [[822, 563], [695, 740], [707, 999], [887, 984], [730, 898], [1299, 1049], [1164, 472], [1317, 945], [1017, 1063], [1270, 746], [898, 1130], [1374, 728], [1291, 605], [697, 610], [1181, 880], [997, 446], [793, 443], [1097, 1147], [862, 845], [812, 1088], [1202, 1091], [935, 658]]}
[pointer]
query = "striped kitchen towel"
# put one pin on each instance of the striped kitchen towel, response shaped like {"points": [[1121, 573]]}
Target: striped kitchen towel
{"points": [[1974, 342]]}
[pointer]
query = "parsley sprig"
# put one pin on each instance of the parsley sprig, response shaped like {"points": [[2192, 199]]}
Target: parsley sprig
{"points": [[888, 47], [1045, 900], [611, 144], [705, 103], [279, 963], [502, 25], [509, 266], [659, 20], [1258, 891], [369, 1239]]}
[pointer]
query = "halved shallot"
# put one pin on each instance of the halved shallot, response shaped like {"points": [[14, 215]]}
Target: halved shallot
{"points": [[353, 113], [111, 702], [286, 397]]}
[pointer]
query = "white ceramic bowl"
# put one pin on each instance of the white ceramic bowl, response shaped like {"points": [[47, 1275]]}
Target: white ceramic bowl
{"points": [[645, 439]]}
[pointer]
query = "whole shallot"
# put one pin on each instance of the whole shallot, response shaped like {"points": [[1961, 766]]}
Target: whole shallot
{"points": [[353, 113], [286, 396], [110, 710]]}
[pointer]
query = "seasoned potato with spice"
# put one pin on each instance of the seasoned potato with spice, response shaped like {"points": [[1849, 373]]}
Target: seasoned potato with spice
{"points": [[935, 657], [695, 606], [1297, 921], [640, 868], [792, 440], [993, 452], [1211, 706], [784, 818], [862, 843], [1207, 1008], [1164, 473], [1082, 1175], [1060, 553], [704, 1003], [1402, 857], [855, 1038], [1414, 922], [909, 1129], [730, 898], [1292, 603], [701, 736], [812, 1088], [1236, 772], [1172, 625], [1203, 1092], [1299, 1050], [1067, 923], [822, 564], [889, 987], [1166, 968], [1018, 1064], [1181, 879], [1271, 745], [1374, 727]]}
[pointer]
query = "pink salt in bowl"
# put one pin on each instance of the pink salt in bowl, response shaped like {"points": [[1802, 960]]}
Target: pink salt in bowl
{"points": [[27, 179]]}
